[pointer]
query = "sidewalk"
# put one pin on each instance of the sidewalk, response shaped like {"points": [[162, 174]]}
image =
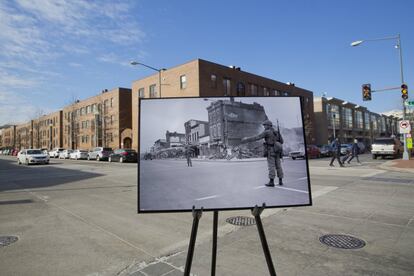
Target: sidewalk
{"points": [[399, 165]]}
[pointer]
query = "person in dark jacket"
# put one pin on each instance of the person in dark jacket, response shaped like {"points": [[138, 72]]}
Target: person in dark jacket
{"points": [[354, 152], [336, 152]]}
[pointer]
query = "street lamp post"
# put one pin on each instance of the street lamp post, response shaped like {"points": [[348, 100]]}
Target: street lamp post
{"points": [[152, 68], [398, 46]]}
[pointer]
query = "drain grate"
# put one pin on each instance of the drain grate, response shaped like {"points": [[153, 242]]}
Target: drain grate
{"points": [[342, 241], [7, 240], [241, 221]]}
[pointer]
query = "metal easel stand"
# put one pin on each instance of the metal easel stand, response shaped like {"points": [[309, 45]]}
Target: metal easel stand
{"points": [[256, 211]]}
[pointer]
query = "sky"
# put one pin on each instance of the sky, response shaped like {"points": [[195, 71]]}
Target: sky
{"points": [[53, 52], [175, 112]]}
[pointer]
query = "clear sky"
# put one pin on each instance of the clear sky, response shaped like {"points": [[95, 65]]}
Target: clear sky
{"points": [[55, 51], [171, 114]]}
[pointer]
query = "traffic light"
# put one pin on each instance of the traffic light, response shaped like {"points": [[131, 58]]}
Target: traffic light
{"points": [[366, 92], [404, 91]]}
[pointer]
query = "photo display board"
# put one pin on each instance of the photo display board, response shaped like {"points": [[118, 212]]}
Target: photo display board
{"points": [[218, 154]]}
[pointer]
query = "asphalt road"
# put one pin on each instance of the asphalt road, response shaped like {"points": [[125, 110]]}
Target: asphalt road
{"points": [[80, 218], [171, 185]]}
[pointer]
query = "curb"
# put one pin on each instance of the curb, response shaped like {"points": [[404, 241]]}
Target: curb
{"points": [[388, 166]]}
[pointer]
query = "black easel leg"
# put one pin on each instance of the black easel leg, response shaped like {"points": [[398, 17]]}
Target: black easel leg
{"points": [[214, 252], [196, 217], [256, 213]]}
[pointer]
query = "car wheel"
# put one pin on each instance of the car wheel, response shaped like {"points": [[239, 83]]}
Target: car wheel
{"points": [[18, 162], [294, 158], [121, 160], [374, 156]]}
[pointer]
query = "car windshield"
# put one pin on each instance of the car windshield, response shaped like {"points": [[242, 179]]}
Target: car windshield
{"points": [[34, 152], [384, 141]]}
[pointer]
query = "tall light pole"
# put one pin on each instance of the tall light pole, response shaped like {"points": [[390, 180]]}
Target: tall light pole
{"points": [[398, 46], [152, 68]]}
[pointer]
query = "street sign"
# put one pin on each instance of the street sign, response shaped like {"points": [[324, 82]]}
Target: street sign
{"points": [[405, 126], [409, 103], [409, 143]]}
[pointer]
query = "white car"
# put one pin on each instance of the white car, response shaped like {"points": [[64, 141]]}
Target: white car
{"points": [[32, 156], [79, 154], [65, 154], [55, 152]]}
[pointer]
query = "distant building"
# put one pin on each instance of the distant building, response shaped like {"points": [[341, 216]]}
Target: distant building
{"points": [[103, 120], [201, 78], [230, 121], [47, 131], [349, 121], [9, 137], [195, 130], [159, 145], [24, 139], [174, 139]]}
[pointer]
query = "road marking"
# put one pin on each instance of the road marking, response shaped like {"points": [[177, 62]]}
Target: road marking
{"points": [[372, 174], [207, 197], [302, 178], [290, 189], [323, 191]]}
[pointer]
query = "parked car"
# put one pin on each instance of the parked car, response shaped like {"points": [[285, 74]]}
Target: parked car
{"points": [[313, 151], [346, 148], [326, 150], [45, 151], [79, 154], [32, 156], [386, 147], [297, 154], [123, 155], [55, 152], [65, 154], [99, 153]]}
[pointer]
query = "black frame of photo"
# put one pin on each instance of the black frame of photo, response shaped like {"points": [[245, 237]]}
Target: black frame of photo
{"points": [[191, 209]]}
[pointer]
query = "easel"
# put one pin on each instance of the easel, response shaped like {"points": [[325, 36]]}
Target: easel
{"points": [[256, 211]]}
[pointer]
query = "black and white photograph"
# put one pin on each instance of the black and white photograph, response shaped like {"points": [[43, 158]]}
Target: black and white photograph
{"points": [[221, 153]]}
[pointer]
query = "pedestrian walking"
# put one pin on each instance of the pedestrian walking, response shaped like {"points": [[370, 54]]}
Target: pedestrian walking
{"points": [[355, 152], [336, 152], [272, 151], [188, 153]]}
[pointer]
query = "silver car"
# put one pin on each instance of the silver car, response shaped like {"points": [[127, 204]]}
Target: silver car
{"points": [[65, 154], [32, 156], [79, 154]]}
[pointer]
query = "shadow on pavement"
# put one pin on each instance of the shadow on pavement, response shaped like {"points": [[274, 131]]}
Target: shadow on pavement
{"points": [[15, 177]]}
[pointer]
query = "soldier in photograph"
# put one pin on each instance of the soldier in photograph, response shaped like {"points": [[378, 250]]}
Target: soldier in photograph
{"points": [[188, 151], [272, 151]]}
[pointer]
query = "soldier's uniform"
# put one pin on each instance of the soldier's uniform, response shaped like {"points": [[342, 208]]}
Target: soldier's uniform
{"points": [[188, 152], [273, 150]]}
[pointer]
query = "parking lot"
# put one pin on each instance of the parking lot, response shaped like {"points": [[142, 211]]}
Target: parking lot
{"points": [[80, 218]]}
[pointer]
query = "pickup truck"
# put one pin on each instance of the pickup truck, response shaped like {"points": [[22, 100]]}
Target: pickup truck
{"points": [[386, 147]]}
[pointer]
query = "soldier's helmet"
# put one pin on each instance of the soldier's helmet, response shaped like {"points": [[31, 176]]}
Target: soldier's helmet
{"points": [[267, 123]]}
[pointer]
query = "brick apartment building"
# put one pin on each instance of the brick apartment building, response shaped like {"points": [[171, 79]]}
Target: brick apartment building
{"points": [[24, 135], [100, 121], [201, 78], [9, 136], [47, 131], [350, 121]]}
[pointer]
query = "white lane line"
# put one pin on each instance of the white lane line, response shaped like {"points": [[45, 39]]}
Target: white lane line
{"points": [[302, 178], [372, 174], [259, 187], [290, 189], [207, 197]]}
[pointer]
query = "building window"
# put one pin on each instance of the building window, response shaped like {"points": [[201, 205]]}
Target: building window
{"points": [[226, 85], [374, 123], [253, 89], [367, 121], [213, 81], [266, 91], [241, 89], [112, 102], [333, 117], [88, 109], [183, 81], [347, 118], [112, 119], [141, 92], [86, 124], [359, 121], [153, 91]]}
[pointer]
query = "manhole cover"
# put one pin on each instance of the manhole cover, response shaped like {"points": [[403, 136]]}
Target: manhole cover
{"points": [[7, 240], [241, 221], [342, 241]]}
